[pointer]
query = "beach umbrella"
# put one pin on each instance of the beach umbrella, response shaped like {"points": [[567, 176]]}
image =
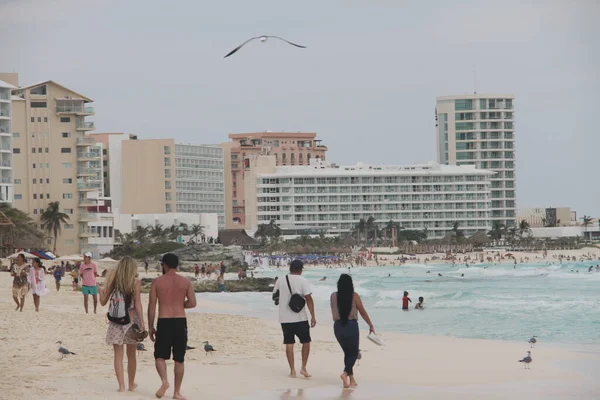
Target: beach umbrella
{"points": [[72, 257], [26, 254]]}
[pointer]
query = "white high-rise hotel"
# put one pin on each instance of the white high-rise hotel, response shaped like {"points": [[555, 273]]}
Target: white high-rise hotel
{"points": [[479, 130]]}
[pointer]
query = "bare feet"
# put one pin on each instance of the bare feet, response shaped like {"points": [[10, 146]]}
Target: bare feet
{"points": [[178, 396], [162, 390], [121, 389], [132, 387], [353, 382], [344, 377], [305, 373], [292, 374], [17, 309]]}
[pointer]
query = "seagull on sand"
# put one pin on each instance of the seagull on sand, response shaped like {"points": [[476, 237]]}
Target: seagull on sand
{"points": [[208, 348], [141, 347], [263, 39], [527, 360], [533, 341], [63, 351]]}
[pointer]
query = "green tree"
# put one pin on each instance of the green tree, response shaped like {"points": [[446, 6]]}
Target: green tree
{"points": [[157, 233], [19, 230], [523, 228], [141, 233], [459, 234], [195, 231], [53, 219], [497, 231], [361, 228]]}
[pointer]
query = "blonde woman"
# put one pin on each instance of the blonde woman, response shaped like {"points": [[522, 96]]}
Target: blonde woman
{"points": [[122, 280]]}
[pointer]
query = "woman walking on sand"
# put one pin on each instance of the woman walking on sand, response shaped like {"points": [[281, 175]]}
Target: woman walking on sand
{"points": [[345, 306], [122, 286], [37, 280]]}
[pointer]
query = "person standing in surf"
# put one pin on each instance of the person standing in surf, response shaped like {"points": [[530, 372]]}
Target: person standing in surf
{"points": [[405, 301]]}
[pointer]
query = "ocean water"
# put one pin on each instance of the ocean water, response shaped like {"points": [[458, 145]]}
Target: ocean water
{"points": [[497, 302]]}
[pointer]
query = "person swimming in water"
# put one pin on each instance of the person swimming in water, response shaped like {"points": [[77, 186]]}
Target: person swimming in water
{"points": [[419, 305], [439, 274], [323, 279]]}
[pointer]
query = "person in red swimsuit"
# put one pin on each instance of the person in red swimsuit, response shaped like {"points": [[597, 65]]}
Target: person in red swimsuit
{"points": [[405, 301]]}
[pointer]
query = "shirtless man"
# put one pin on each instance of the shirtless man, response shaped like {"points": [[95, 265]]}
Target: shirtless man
{"points": [[174, 294]]}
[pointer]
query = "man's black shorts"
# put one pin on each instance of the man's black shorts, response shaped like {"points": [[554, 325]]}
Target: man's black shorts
{"points": [[292, 329], [171, 334]]}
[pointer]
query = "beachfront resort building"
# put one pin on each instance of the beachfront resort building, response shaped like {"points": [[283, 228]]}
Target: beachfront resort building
{"points": [[6, 174], [479, 130], [331, 199], [54, 160], [158, 176], [547, 217], [288, 149]]}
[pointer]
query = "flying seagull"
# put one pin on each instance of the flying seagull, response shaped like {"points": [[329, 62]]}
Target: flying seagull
{"points": [[63, 351], [208, 348], [262, 38], [533, 341], [527, 360]]}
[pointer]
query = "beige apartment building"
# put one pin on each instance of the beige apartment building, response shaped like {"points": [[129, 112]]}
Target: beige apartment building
{"points": [[157, 176], [287, 148], [54, 160]]}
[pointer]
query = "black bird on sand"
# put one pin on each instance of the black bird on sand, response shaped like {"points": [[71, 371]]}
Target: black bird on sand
{"points": [[527, 360], [208, 348]]}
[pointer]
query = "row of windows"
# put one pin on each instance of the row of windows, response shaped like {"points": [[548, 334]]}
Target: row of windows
{"points": [[373, 198], [200, 208], [484, 136], [64, 135], [198, 163], [372, 180], [41, 180], [470, 116], [65, 196], [206, 186], [377, 189], [198, 175], [200, 197], [482, 205], [467, 126], [194, 151], [63, 150]]}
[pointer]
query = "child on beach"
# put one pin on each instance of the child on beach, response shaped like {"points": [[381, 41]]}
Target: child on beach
{"points": [[419, 305], [405, 301]]}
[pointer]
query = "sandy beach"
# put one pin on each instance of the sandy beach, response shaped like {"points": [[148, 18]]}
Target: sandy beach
{"points": [[250, 361]]}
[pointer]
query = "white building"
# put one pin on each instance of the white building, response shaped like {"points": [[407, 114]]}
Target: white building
{"points": [[332, 199], [479, 130], [6, 176], [127, 223]]}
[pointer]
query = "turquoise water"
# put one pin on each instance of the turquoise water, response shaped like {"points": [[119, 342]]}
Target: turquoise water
{"points": [[499, 302]]}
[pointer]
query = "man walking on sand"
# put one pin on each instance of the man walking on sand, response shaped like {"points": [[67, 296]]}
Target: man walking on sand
{"points": [[174, 294], [89, 272], [295, 324], [20, 286]]}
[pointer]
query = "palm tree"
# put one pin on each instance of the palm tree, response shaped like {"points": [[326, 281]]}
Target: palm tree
{"points": [[53, 219], [523, 228], [389, 230], [141, 233], [20, 230], [586, 220], [457, 232], [497, 231], [360, 228], [157, 233], [196, 230], [261, 234], [511, 235], [371, 228]]}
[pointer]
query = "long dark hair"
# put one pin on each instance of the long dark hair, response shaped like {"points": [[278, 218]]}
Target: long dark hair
{"points": [[345, 297]]}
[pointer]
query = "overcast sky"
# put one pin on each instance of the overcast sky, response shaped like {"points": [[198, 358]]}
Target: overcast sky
{"points": [[366, 84]]}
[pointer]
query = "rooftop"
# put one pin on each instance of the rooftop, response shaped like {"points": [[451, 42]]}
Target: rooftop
{"points": [[275, 135], [476, 96], [324, 168], [6, 85]]}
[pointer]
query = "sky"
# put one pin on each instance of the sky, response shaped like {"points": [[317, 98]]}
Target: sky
{"points": [[366, 83]]}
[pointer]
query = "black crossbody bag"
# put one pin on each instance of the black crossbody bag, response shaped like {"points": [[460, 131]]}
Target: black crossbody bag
{"points": [[297, 302]]}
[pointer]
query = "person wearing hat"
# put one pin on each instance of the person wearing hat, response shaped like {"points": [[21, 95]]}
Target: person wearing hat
{"points": [[89, 272], [294, 323]]}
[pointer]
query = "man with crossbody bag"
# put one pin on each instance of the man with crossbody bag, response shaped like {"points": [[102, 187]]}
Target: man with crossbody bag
{"points": [[295, 296]]}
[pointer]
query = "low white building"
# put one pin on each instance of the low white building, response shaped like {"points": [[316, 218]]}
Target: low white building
{"points": [[127, 223], [331, 199], [6, 134]]}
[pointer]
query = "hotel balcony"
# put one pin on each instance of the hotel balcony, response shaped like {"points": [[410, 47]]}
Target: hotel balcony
{"points": [[88, 155], [85, 126], [89, 186], [6, 179], [89, 217], [88, 203], [77, 110], [5, 147], [86, 141], [87, 232], [88, 171]]}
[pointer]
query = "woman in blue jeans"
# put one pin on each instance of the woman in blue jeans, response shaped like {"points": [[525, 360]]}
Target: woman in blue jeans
{"points": [[345, 306]]}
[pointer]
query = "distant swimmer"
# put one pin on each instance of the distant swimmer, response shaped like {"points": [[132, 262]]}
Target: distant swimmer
{"points": [[591, 268], [428, 272], [462, 275], [439, 274], [419, 305], [405, 301], [389, 275], [323, 279]]}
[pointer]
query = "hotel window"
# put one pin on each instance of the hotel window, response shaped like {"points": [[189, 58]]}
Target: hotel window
{"points": [[167, 150], [167, 162], [68, 226], [65, 119], [17, 181], [16, 150], [67, 180], [45, 119], [168, 196], [33, 150], [68, 211], [167, 184], [67, 165], [18, 196], [64, 149], [38, 104], [32, 119], [35, 210], [167, 173], [168, 208], [69, 241], [35, 196], [66, 134], [67, 196], [39, 119], [39, 91], [33, 165], [47, 180]]}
